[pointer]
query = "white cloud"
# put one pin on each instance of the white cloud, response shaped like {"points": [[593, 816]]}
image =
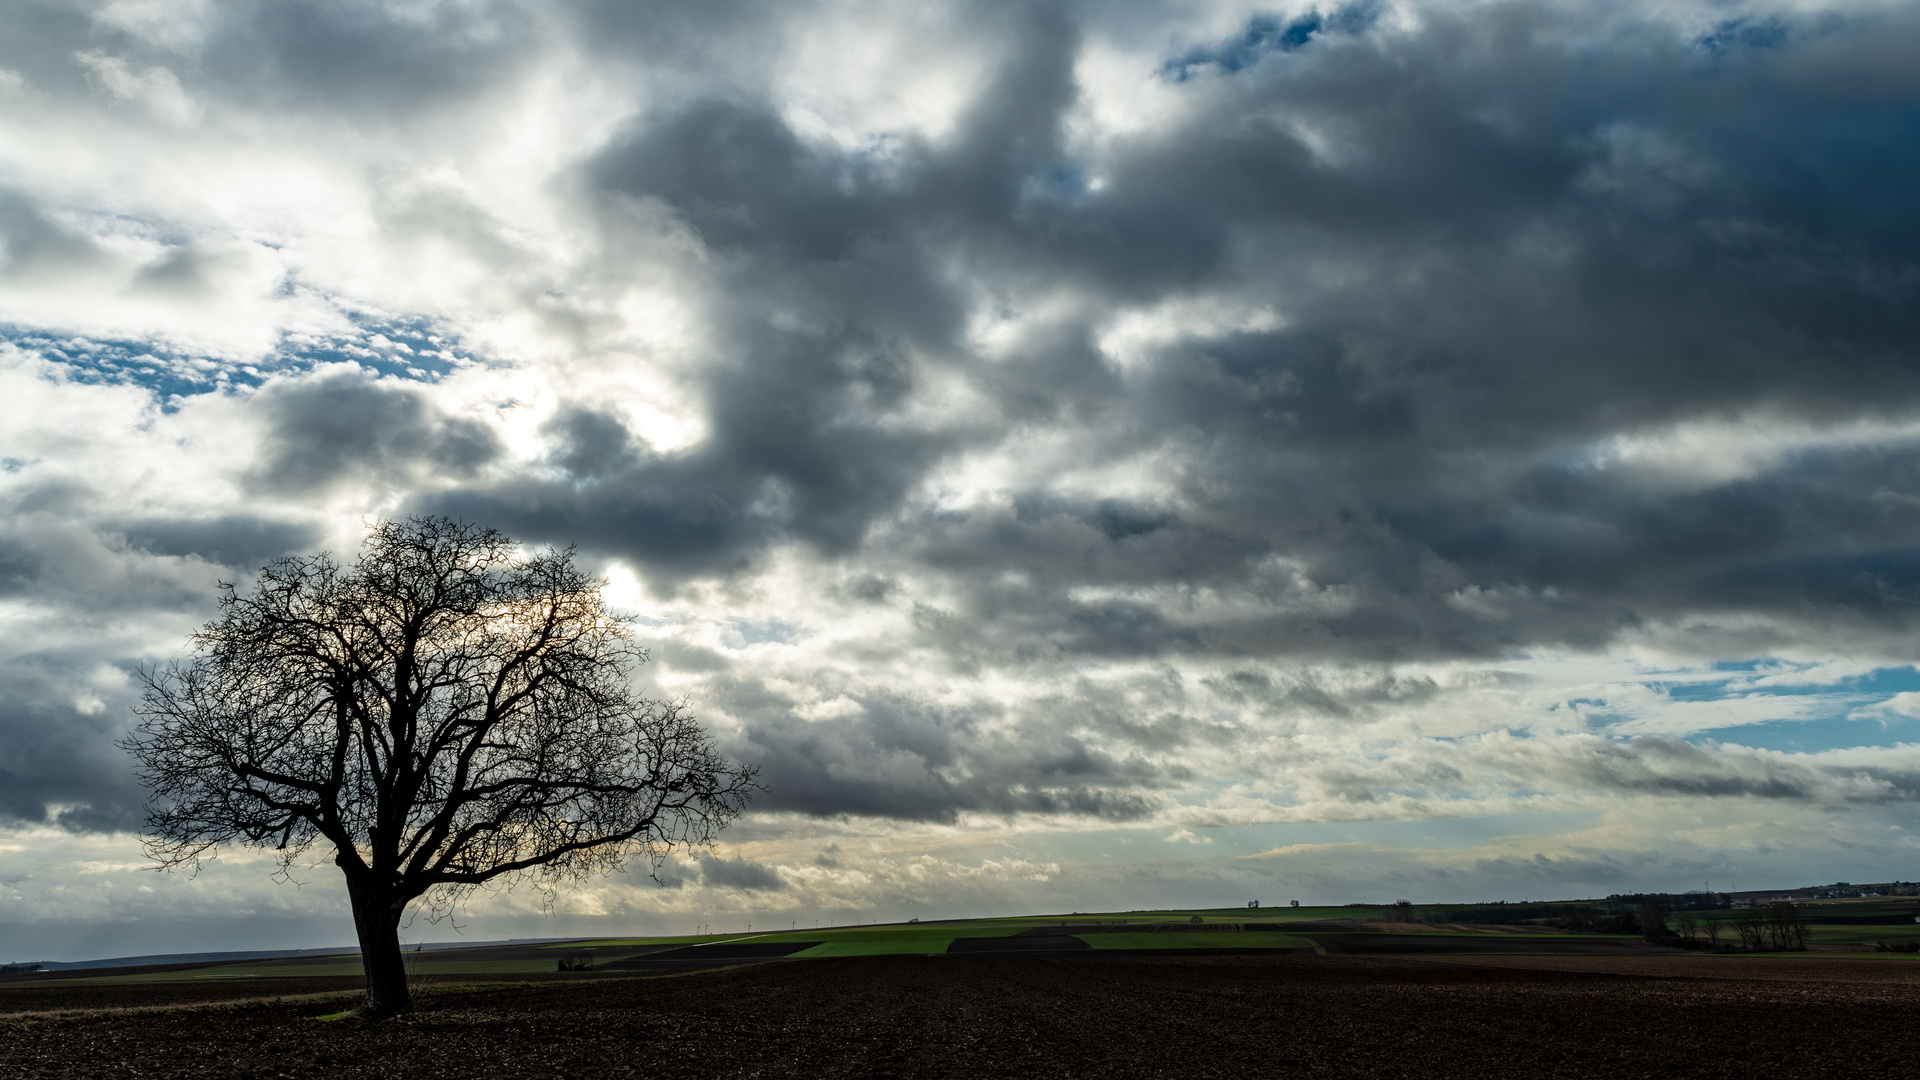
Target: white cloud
{"points": [[155, 89]]}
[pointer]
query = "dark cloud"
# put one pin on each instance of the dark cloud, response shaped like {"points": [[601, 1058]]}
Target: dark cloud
{"points": [[685, 37], [740, 874], [746, 182], [1491, 250], [84, 575], [1828, 529], [38, 40], [371, 60], [1440, 772], [901, 758], [33, 245], [1667, 766], [235, 540], [65, 690], [807, 441], [1493, 253], [803, 448], [345, 422], [589, 443], [57, 759], [1355, 697]]}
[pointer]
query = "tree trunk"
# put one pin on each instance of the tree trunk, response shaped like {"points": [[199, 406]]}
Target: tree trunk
{"points": [[376, 918]]}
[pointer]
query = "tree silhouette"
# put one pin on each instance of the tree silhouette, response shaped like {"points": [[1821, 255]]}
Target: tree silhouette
{"points": [[442, 712], [1712, 922]]}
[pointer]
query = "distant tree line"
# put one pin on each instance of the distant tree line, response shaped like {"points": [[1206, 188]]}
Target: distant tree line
{"points": [[1617, 914], [1517, 913], [1775, 927], [1696, 920], [1687, 901], [1587, 918], [1778, 925]]}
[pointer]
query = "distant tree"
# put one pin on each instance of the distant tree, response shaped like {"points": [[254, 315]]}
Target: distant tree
{"points": [[1711, 923], [1686, 922], [1403, 911], [1751, 924], [1786, 926], [1653, 921], [443, 712]]}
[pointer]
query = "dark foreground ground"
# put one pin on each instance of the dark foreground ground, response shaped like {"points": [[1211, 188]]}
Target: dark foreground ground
{"points": [[961, 1016]]}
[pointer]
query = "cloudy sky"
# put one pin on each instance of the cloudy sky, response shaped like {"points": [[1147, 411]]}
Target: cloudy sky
{"points": [[1088, 455]]}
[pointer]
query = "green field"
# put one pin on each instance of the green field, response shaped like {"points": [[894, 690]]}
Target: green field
{"points": [[981, 928], [881, 946], [617, 943], [1176, 940], [1843, 933], [1861, 935]]}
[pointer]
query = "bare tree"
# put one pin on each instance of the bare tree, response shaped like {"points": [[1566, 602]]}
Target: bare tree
{"points": [[443, 712], [1711, 923], [1653, 922], [1786, 926], [1686, 922]]}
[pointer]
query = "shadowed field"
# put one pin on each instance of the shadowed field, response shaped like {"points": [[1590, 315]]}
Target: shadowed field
{"points": [[1276, 1015]]}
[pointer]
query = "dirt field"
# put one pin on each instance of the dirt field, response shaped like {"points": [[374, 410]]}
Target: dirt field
{"points": [[960, 1016]]}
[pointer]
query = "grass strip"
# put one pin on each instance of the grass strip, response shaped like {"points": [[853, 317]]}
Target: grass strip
{"points": [[919, 946], [1175, 942]]}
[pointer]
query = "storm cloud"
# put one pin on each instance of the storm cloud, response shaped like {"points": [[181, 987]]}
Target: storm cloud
{"points": [[1433, 280]]}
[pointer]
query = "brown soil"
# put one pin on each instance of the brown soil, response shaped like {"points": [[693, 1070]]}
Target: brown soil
{"points": [[1665, 964], [79, 995], [1439, 944], [951, 1016]]}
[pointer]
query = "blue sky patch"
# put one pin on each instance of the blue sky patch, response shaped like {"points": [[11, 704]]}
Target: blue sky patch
{"points": [[400, 348], [1268, 34], [1811, 737], [1736, 34], [1878, 684], [1817, 713], [747, 632]]}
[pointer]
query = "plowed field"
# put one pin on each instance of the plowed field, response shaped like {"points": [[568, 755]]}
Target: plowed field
{"points": [[1015, 1016]]}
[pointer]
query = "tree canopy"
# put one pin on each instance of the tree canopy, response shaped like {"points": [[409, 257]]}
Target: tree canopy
{"points": [[442, 711]]}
